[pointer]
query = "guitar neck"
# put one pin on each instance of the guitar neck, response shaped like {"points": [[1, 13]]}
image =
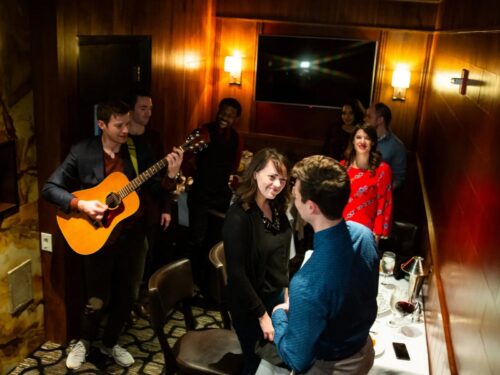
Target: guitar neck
{"points": [[146, 175], [142, 178]]}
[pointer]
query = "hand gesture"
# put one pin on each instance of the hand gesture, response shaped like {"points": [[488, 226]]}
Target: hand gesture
{"points": [[267, 327], [174, 160], [285, 306], [94, 209], [165, 220]]}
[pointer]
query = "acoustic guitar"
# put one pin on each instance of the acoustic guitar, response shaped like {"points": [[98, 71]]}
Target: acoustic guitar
{"points": [[86, 236]]}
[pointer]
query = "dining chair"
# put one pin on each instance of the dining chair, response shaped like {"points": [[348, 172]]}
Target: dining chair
{"points": [[218, 260], [214, 351]]}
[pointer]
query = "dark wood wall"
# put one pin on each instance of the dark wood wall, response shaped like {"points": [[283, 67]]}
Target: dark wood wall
{"points": [[182, 34], [461, 164], [301, 129], [454, 135], [414, 15]]}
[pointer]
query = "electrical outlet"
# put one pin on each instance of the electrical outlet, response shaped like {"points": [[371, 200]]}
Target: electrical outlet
{"points": [[46, 239]]}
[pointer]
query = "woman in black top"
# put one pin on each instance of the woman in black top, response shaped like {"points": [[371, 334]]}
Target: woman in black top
{"points": [[257, 238], [339, 135]]}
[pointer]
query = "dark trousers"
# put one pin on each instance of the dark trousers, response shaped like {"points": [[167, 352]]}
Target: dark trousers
{"points": [[250, 334], [205, 230], [110, 287]]}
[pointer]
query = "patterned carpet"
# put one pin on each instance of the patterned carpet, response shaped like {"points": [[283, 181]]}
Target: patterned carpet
{"points": [[139, 339]]}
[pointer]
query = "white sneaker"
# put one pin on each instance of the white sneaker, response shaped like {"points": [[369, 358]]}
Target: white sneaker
{"points": [[121, 356], [76, 357]]}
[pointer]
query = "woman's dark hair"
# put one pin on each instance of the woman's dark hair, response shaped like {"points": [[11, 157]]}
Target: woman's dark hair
{"points": [[375, 157], [247, 191], [357, 110]]}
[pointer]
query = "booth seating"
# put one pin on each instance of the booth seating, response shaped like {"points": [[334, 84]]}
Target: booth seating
{"points": [[214, 351], [402, 240]]}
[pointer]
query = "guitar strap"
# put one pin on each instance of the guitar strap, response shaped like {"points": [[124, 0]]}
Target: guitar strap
{"points": [[133, 154]]}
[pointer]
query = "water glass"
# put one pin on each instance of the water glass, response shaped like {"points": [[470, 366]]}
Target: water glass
{"points": [[387, 264]]}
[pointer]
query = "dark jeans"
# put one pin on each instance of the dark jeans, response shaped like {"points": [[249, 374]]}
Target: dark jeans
{"points": [[110, 287]]}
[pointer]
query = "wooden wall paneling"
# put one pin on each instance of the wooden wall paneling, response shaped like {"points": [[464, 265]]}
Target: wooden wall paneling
{"points": [[457, 142], [414, 15], [156, 20], [439, 341], [482, 15], [303, 122], [173, 25], [199, 62], [241, 37], [288, 121], [409, 48], [49, 111]]}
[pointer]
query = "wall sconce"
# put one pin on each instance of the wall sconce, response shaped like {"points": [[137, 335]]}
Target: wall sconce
{"points": [[232, 65], [400, 82], [462, 81]]}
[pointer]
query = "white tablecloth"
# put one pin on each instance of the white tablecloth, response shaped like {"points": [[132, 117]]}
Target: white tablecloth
{"points": [[412, 334]]}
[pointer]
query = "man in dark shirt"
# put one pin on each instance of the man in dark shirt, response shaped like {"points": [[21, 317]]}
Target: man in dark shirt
{"points": [[108, 271], [158, 209], [390, 146], [210, 194]]}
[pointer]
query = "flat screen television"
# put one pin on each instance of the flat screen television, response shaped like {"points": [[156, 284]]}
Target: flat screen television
{"points": [[314, 71]]}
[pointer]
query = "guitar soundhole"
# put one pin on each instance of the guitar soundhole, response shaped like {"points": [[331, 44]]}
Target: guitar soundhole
{"points": [[113, 201]]}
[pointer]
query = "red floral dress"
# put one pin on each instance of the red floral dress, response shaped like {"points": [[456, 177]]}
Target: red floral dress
{"points": [[370, 202]]}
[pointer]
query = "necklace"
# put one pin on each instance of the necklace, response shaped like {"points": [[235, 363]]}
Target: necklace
{"points": [[272, 226]]}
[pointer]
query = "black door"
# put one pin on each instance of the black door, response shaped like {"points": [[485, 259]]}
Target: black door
{"points": [[109, 67]]}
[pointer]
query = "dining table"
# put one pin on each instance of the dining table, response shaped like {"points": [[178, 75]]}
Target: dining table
{"points": [[388, 329], [408, 331]]}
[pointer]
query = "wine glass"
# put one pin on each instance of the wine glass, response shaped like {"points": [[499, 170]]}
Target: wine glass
{"points": [[387, 264], [401, 307]]}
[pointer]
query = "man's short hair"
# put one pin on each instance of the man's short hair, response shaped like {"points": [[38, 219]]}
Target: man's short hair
{"points": [[111, 108], [384, 111], [131, 97], [231, 102], [324, 181]]}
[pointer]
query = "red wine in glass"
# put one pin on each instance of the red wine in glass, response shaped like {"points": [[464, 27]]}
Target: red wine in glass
{"points": [[404, 307]]}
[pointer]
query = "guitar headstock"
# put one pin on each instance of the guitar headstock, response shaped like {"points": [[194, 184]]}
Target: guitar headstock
{"points": [[197, 141]]}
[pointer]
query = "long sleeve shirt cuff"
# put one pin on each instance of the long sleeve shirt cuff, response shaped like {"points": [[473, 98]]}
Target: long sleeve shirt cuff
{"points": [[73, 204]]}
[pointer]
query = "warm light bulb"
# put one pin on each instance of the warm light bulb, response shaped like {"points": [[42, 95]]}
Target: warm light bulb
{"points": [[401, 76], [232, 64]]}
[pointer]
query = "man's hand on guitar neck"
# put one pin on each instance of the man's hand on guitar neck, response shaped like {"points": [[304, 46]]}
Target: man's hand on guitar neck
{"points": [[174, 160], [94, 209]]}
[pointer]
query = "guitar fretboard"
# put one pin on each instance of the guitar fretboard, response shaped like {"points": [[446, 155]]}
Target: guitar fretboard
{"points": [[147, 174], [142, 178]]}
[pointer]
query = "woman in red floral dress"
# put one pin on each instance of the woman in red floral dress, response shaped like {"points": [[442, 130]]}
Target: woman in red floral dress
{"points": [[370, 202]]}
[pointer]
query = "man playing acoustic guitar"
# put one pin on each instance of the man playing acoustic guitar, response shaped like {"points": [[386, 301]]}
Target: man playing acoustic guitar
{"points": [[108, 271]]}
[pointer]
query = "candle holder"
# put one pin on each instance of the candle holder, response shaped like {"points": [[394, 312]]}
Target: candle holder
{"points": [[417, 271]]}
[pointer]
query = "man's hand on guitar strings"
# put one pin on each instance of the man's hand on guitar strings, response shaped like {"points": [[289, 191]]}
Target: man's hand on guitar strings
{"points": [[94, 209], [174, 160]]}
